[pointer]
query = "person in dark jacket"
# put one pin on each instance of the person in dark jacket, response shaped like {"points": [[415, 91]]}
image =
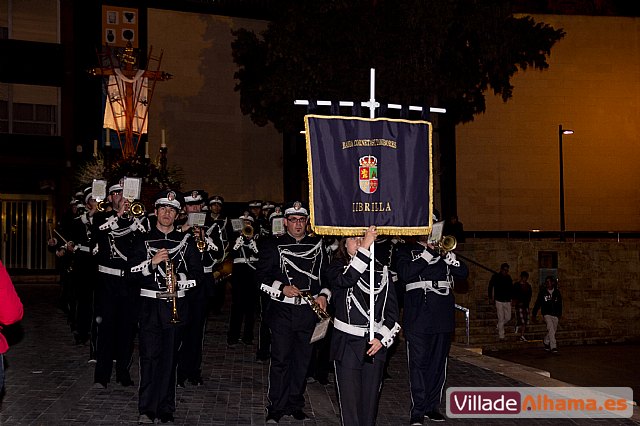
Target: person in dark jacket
{"points": [[500, 288], [550, 302], [521, 301], [359, 359]]}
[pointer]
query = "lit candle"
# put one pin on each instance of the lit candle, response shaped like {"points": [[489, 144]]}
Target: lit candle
{"points": [[108, 141], [146, 149], [164, 142], [95, 147]]}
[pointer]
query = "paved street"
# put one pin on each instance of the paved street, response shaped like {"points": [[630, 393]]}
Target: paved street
{"points": [[49, 381]]}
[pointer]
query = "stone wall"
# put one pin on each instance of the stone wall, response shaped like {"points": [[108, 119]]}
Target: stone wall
{"points": [[599, 281]]}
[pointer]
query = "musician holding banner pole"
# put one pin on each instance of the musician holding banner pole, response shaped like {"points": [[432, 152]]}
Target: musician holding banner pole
{"points": [[287, 266], [359, 359]]}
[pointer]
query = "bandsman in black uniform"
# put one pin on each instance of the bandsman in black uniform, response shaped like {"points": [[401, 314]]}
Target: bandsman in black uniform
{"points": [[222, 267], [244, 292], [428, 321], [116, 298], [359, 360], [83, 276], [209, 244], [255, 210], [159, 335], [287, 266], [265, 224]]}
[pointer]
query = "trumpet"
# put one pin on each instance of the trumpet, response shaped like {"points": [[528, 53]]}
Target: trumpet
{"points": [[320, 313], [172, 284], [247, 231], [446, 244], [201, 244], [102, 205], [134, 208]]}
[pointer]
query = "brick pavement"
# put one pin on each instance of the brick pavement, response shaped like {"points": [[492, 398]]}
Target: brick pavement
{"points": [[49, 381]]}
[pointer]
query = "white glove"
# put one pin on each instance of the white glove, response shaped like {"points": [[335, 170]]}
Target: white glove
{"points": [[450, 259], [238, 243]]}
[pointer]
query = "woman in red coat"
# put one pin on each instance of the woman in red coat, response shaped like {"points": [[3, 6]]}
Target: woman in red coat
{"points": [[10, 312]]}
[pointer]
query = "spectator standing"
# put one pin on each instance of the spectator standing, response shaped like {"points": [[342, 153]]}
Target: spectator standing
{"points": [[500, 288], [550, 302]]}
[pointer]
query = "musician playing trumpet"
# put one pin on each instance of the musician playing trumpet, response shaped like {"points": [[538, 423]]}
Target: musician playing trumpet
{"points": [[358, 358], [114, 234], [159, 338], [208, 239], [428, 272], [244, 292]]}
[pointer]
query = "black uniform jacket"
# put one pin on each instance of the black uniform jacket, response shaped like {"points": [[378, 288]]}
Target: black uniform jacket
{"points": [[428, 311], [284, 261], [350, 298], [186, 263]]}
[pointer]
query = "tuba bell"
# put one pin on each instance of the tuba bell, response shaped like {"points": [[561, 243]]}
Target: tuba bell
{"points": [[446, 244]]}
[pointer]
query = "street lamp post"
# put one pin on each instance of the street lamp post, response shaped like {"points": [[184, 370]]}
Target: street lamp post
{"points": [[562, 132]]}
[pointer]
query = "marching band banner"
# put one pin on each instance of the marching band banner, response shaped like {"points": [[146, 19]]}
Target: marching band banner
{"points": [[365, 172]]}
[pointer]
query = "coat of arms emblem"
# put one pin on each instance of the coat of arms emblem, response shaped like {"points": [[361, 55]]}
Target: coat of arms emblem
{"points": [[368, 175]]}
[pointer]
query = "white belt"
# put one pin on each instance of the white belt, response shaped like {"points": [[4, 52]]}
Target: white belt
{"points": [[158, 294], [428, 285], [354, 330], [111, 271], [244, 260]]}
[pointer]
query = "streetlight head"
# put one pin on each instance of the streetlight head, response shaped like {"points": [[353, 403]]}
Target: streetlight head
{"points": [[567, 132]]}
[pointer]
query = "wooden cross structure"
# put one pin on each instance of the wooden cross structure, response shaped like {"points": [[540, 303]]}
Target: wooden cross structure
{"points": [[129, 93]]}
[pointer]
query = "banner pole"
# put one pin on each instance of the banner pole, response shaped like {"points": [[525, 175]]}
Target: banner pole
{"points": [[372, 113]]}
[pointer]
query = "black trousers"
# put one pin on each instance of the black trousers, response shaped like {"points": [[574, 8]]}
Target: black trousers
{"points": [[427, 355], [358, 384], [244, 299], [190, 353], [291, 329], [116, 318], [158, 344], [264, 334]]}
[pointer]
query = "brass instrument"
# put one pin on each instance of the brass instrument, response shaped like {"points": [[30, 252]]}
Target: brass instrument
{"points": [[201, 244], [135, 209], [172, 284], [102, 205], [320, 313], [247, 231], [446, 244]]}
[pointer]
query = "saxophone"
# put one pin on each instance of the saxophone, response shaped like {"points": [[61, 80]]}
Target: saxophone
{"points": [[172, 284], [320, 313]]}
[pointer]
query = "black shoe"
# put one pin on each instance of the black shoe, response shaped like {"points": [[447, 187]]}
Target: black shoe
{"points": [[299, 415], [100, 385], [273, 418], [415, 421], [180, 383], [547, 347], [555, 351], [434, 416], [166, 418]]}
